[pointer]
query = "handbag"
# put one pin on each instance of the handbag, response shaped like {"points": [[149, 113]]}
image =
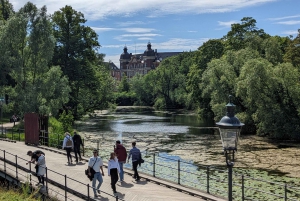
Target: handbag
{"points": [[91, 170]]}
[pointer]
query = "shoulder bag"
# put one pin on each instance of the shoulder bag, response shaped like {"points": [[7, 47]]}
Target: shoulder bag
{"points": [[91, 170]]}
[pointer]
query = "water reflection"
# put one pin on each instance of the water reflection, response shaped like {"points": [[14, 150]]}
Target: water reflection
{"points": [[151, 123]]}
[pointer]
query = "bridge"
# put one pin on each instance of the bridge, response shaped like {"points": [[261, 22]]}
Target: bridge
{"points": [[68, 182]]}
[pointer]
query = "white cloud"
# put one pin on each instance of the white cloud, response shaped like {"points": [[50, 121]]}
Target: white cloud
{"points": [[291, 22], [94, 10], [113, 58], [227, 24], [192, 31], [284, 18], [129, 23], [137, 30], [145, 38], [102, 29], [129, 37], [290, 32], [174, 44]]}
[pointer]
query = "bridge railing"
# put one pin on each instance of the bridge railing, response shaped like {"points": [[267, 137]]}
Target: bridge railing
{"points": [[214, 180], [16, 166], [209, 179]]}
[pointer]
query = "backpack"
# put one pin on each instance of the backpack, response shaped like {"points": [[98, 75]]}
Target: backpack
{"points": [[69, 142]]}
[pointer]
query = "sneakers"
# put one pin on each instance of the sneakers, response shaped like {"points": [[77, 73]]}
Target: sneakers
{"points": [[137, 179], [95, 196], [115, 192], [98, 191]]}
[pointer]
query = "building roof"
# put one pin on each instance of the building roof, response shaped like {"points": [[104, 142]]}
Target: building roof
{"points": [[111, 65], [125, 54]]}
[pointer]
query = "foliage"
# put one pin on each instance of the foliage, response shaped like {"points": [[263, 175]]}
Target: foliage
{"points": [[18, 194], [124, 84], [55, 126], [75, 52], [33, 86], [125, 99], [66, 119]]}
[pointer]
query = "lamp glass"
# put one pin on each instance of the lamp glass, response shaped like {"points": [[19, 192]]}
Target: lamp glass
{"points": [[229, 137]]}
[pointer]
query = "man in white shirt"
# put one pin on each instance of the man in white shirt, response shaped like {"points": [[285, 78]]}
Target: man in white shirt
{"points": [[95, 164]]}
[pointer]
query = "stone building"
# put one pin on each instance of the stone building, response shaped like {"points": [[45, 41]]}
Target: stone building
{"points": [[131, 64]]}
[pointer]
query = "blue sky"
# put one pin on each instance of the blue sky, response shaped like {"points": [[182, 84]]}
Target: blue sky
{"points": [[174, 25]]}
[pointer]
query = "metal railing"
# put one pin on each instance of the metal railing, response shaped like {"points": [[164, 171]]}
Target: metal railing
{"points": [[210, 179], [14, 166], [213, 180]]}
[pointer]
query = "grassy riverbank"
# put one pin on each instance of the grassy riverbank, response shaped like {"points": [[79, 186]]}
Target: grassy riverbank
{"points": [[15, 194]]}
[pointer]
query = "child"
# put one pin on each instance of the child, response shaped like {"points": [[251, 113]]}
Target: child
{"points": [[113, 170]]}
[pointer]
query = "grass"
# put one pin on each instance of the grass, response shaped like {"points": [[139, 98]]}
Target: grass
{"points": [[18, 194]]}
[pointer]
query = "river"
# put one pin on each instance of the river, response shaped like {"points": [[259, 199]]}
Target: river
{"points": [[183, 136]]}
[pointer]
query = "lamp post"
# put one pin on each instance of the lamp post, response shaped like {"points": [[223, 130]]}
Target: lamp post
{"points": [[1, 107], [229, 127]]}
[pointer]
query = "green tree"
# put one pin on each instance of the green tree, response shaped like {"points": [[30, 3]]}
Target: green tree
{"points": [[75, 53], [244, 34], [27, 47], [6, 10], [292, 53], [124, 84]]}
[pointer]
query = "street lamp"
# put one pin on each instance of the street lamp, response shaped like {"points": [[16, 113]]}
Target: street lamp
{"points": [[1, 106], [230, 127]]}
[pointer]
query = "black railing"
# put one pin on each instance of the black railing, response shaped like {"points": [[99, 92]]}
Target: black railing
{"points": [[213, 180], [210, 179], [14, 166]]}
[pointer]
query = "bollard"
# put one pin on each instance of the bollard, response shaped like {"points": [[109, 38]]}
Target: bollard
{"points": [[66, 198], [230, 181], [207, 179], [243, 188], [285, 192], [47, 180], [4, 161], [16, 166], [154, 165], [88, 191], [178, 171]]}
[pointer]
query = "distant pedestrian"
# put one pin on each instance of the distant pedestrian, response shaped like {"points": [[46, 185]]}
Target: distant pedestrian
{"points": [[135, 153], [42, 168], [34, 158], [77, 142], [113, 170], [68, 145], [95, 165], [121, 154]]}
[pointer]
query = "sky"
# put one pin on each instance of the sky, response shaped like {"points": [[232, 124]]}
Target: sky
{"points": [[173, 25]]}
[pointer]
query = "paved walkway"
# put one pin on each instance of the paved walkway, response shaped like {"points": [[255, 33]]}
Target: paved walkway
{"points": [[145, 190]]}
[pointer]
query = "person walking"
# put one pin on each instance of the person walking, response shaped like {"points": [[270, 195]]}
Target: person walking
{"points": [[95, 165], [113, 170], [34, 158], [42, 168], [68, 145], [121, 154], [77, 142], [135, 155]]}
